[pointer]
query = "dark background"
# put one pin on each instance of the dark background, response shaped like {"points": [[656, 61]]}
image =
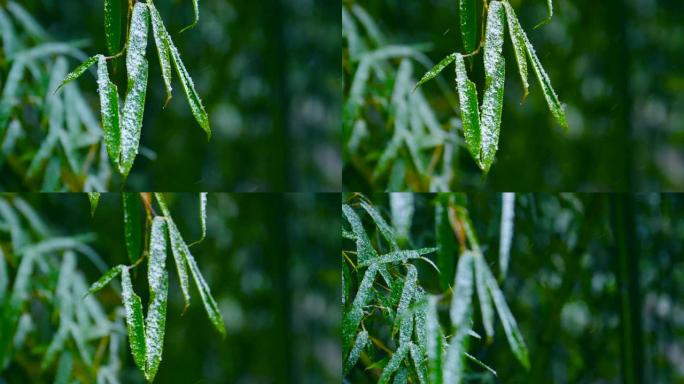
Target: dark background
{"points": [[616, 64], [267, 74]]}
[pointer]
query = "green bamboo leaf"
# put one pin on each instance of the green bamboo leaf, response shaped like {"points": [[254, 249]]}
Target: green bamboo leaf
{"points": [[435, 343], [134, 320], [470, 114], [485, 300], [132, 216], [468, 24], [106, 278], [382, 225], [94, 198], [402, 322], [189, 87], [364, 249], [162, 43], [555, 105], [513, 335], [518, 41], [195, 7], [158, 280], [506, 230], [203, 217], [76, 73], [432, 73], [352, 318], [393, 364], [112, 25], [399, 256], [463, 291], [359, 344], [134, 105], [420, 319], [418, 363], [492, 106], [109, 108], [494, 39]]}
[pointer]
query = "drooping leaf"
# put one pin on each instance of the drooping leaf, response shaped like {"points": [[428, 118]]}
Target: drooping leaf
{"points": [[432, 73], [352, 318], [162, 43], [109, 109], [112, 25], [555, 105], [470, 114], [359, 344], [518, 41], [156, 266], [132, 224], [393, 364], [435, 343], [506, 230], [158, 280], [403, 322], [382, 225], [365, 250], [418, 363], [134, 320], [106, 278], [492, 106], [513, 335], [94, 198], [195, 7], [203, 217], [494, 39], [462, 291], [76, 73], [468, 24], [485, 300]]}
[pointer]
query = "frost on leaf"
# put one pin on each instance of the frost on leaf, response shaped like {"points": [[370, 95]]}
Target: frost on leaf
{"points": [[155, 323], [78, 71], [178, 251], [162, 43], [105, 279], [364, 248], [352, 318], [470, 115], [463, 290], [494, 38], [134, 320], [403, 321], [157, 255], [109, 109], [518, 41], [393, 364], [492, 105], [355, 353]]}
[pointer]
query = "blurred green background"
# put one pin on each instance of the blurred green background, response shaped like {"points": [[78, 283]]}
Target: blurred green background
{"points": [[268, 74], [594, 282], [616, 64], [267, 259]]}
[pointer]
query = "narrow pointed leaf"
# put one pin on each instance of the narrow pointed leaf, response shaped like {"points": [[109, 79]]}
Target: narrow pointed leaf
{"points": [[492, 106], [132, 224], [359, 344], [485, 300], [399, 256], [94, 199], [513, 335], [178, 249], [494, 38], [393, 364], [365, 250], [432, 73], [463, 291], [402, 322], [470, 114], [352, 318], [555, 105], [156, 266], [162, 43], [109, 109], [453, 363], [112, 25], [155, 323], [195, 8], [76, 73], [518, 41], [418, 363], [203, 217], [506, 230], [189, 87], [382, 225], [134, 320], [468, 24], [106, 278], [435, 343]]}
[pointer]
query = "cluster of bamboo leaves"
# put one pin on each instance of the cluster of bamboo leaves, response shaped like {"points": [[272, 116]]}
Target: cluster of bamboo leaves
{"points": [[50, 140], [122, 127], [482, 123], [47, 296], [392, 324], [410, 147], [146, 332]]}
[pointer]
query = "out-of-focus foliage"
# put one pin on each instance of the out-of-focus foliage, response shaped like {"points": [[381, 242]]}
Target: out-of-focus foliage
{"points": [[267, 76], [616, 72], [594, 282], [276, 297], [50, 139]]}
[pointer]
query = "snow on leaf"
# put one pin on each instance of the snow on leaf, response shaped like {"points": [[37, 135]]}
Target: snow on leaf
{"points": [[162, 43], [94, 199], [106, 278], [436, 70], [518, 41], [156, 266], [155, 323], [418, 363], [462, 291], [382, 225], [490, 123], [399, 256], [403, 321], [364, 249], [352, 318], [470, 115], [393, 364], [468, 24], [76, 73], [134, 320], [132, 224], [178, 251], [359, 344], [494, 38], [109, 109], [506, 230]]}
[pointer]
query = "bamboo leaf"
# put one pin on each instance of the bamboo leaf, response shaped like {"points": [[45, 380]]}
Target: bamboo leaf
{"points": [[158, 280], [435, 343], [453, 363], [132, 224], [432, 73], [189, 87], [399, 256], [549, 94], [112, 25], [352, 318], [393, 364], [418, 363], [462, 291], [468, 24], [492, 106], [513, 335], [106, 278], [470, 114], [134, 105], [402, 322], [109, 109], [76, 73], [506, 230], [364, 249], [382, 225], [134, 320], [518, 41], [359, 344], [163, 52], [401, 205], [94, 198], [203, 217], [483, 295], [494, 38], [195, 7]]}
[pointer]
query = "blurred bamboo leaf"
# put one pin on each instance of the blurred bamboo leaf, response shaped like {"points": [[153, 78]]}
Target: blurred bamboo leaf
{"points": [[132, 218]]}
